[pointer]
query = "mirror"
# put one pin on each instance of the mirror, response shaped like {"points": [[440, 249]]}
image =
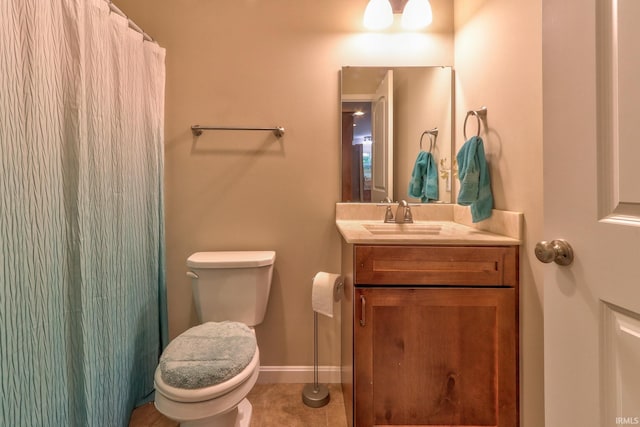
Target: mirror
{"points": [[390, 115]]}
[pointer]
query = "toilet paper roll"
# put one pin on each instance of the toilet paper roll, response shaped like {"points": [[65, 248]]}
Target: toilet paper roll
{"points": [[326, 289]]}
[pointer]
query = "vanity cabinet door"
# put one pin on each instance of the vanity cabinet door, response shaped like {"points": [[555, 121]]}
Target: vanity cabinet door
{"points": [[435, 356]]}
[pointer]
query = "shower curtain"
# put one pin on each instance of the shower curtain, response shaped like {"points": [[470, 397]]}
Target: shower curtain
{"points": [[82, 308]]}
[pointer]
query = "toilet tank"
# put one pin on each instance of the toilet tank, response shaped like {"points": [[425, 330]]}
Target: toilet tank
{"points": [[231, 285]]}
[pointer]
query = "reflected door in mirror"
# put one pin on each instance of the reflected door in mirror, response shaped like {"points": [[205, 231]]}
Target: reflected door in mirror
{"points": [[352, 167]]}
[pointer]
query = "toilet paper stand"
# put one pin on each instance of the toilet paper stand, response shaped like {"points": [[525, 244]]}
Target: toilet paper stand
{"points": [[315, 395]]}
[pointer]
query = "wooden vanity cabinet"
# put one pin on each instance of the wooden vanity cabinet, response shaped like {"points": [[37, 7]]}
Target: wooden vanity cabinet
{"points": [[435, 336]]}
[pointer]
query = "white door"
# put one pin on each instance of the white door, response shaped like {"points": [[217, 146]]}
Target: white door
{"points": [[382, 140], [591, 99]]}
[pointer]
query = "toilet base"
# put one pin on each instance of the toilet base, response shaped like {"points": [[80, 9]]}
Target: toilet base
{"points": [[237, 417]]}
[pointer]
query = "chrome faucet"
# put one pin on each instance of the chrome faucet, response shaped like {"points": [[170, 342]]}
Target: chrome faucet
{"points": [[403, 213]]}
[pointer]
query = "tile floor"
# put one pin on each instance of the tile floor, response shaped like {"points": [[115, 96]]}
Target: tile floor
{"points": [[274, 405]]}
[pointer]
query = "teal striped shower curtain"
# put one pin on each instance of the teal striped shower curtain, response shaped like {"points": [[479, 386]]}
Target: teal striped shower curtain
{"points": [[82, 305]]}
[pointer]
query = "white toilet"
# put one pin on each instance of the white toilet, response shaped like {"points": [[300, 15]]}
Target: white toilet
{"points": [[205, 374]]}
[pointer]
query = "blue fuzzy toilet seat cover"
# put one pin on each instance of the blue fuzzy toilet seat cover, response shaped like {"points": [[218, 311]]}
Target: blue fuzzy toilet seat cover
{"points": [[207, 354]]}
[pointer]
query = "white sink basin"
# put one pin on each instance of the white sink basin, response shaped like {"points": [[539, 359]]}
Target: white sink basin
{"points": [[392, 228]]}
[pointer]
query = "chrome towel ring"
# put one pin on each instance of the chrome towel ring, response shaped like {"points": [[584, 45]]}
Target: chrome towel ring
{"points": [[433, 137], [481, 115]]}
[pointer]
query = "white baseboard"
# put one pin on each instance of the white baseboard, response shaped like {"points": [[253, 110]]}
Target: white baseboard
{"points": [[298, 374]]}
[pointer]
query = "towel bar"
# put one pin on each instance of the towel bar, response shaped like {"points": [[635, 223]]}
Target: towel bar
{"points": [[197, 130]]}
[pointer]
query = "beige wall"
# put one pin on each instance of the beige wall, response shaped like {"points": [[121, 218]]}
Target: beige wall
{"points": [[498, 59], [262, 63], [249, 62], [422, 101]]}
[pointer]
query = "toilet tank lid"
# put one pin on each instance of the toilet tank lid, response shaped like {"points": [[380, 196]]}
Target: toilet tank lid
{"points": [[231, 259]]}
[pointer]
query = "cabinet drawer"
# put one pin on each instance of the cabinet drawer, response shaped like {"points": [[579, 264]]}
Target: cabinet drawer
{"points": [[436, 265]]}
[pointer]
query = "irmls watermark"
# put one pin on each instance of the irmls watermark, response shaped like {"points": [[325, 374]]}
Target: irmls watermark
{"points": [[626, 421]]}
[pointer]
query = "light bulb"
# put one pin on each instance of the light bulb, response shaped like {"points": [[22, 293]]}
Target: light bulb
{"points": [[378, 15], [417, 14]]}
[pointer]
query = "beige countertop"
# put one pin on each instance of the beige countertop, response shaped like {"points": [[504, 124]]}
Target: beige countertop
{"points": [[435, 224]]}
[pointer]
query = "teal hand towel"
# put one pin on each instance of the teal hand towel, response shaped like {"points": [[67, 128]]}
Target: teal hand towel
{"points": [[430, 188], [424, 178], [475, 182], [419, 169]]}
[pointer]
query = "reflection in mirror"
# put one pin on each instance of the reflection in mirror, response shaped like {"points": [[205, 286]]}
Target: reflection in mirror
{"points": [[386, 115]]}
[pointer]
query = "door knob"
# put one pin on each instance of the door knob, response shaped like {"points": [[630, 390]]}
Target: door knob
{"points": [[559, 251]]}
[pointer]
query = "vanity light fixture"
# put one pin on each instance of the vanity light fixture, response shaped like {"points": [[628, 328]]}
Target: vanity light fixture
{"points": [[416, 14], [378, 15]]}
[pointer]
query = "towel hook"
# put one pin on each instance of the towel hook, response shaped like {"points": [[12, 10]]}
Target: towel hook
{"points": [[481, 115], [433, 136]]}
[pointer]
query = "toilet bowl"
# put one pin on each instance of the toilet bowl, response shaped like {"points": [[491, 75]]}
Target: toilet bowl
{"points": [[205, 374]]}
